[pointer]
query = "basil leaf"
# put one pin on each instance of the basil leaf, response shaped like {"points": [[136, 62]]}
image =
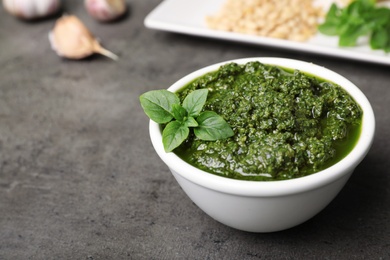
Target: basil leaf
{"points": [[380, 17], [194, 102], [380, 39], [191, 122], [173, 135], [359, 18], [332, 21], [212, 127], [157, 105], [163, 106], [329, 28], [351, 35], [179, 112]]}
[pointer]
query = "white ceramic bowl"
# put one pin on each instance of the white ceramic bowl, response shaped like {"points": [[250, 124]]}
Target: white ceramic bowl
{"points": [[274, 205]]}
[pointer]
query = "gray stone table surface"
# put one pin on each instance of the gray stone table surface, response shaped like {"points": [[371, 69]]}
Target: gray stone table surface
{"points": [[79, 178]]}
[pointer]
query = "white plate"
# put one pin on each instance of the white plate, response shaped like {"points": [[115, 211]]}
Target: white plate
{"points": [[188, 17]]}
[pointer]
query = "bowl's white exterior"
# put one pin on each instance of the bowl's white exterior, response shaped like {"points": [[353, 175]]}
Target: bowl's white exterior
{"points": [[276, 205], [257, 213]]}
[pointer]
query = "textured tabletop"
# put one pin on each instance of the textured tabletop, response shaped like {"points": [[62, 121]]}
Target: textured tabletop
{"points": [[79, 178]]}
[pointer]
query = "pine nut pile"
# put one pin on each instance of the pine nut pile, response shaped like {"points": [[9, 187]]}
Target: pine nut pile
{"points": [[295, 20]]}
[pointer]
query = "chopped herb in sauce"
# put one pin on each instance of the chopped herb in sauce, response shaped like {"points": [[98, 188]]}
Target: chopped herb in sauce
{"points": [[286, 124]]}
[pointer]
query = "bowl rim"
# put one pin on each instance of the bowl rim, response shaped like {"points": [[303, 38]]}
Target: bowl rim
{"points": [[280, 187]]}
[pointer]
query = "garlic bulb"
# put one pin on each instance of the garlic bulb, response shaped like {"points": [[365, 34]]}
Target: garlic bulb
{"points": [[105, 10], [71, 39], [32, 9]]}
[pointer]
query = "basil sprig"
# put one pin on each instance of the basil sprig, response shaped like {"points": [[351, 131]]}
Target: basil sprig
{"points": [[359, 18], [163, 107]]}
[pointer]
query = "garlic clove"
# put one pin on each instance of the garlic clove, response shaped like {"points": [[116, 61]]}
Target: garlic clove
{"points": [[106, 10], [32, 9], [71, 39]]}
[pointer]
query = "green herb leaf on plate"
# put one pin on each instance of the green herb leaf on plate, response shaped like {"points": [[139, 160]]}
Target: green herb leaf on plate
{"points": [[380, 39], [361, 18], [332, 21], [352, 34]]}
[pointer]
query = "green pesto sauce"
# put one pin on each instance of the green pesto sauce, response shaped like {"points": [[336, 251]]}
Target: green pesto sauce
{"points": [[287, 124]]}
